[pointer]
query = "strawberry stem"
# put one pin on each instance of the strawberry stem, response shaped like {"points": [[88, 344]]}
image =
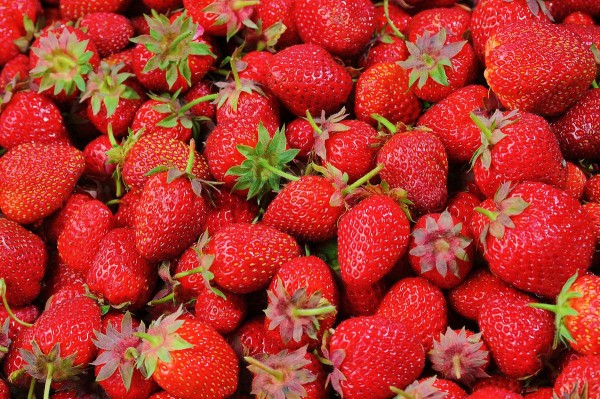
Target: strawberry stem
{"points": [[178, 39], [362, 180], [30, 393], [236, 76], [7, 307], [312, 122], [48, 384], [3, 349], [192, 154], [278, 374], [401, 393], [197, 101], [265, 164], [484, 129], [162, 300], [387, 124], [314, 312], [386, 11], [154, 340], [486, 212], [456, 364], [188, 273], [238, 5]]}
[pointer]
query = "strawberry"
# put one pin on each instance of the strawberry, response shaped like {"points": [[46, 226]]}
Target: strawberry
{"points": [[580, 376], [58, 277], [4, 390], [490, 15], [449, 120], [255, 65], [113, 99], [575, 310], [176, 196], [396, 15], [343, 28], [363, 300], [468, 298], [125, 216], [173, 55], [455, 21], [576, 181], [293, 374], [429, 55], [11, 328], [592, 189], [416, 161], [199, 364], [80, 238], [73, 9], [370, 354], [163, 6], [574, 129], [511, 226], [115, 365], [303, 300], [24, 263], [24, 194], [578, 18], [247, 256], [494, 392], [10, 31], [384, 48], [250, 339], [541, 393], [118, 273], [97, 163], [221, 17], [561, 9], [430, 388], [203, 109], [519, 336], [55, 224], [60, 58], [461, 205], [440, 249], [271, 12], [383, 89], [229, 208], [419, 305], [460, 355], [323, 86], [16, 68], [545, 82], [500, 381], [223, 313], [516, 147], [110, 32], [372, 237]]}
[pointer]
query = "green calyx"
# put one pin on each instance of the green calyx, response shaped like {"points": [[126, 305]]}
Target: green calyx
{"points": [[11, 314], [230, 91], [491, 134], [63, 61], [429, 55], [107, 86], [118, 153], [172, 43], [262, 170], [562, 309]]}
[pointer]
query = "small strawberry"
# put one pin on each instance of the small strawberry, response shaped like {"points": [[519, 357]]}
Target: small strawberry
{"points": [[97, 163], [55, 224], [203, 109], [24, 194], [188, 359], [343, 28], [461, 205], [324, 87], [370, 354], [440, 250], [223, 312], [271, 12], [250, 339], [576, 181], [17, 69], [125, 215], [163, 6], [109, 31], [384, 48], [579, 18], [419, 305]]}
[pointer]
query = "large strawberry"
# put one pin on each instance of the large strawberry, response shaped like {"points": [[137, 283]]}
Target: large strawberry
{"points": [[343, 28], [306, 77], [511, 227], [538, 68], [370, 354], [516, 147], [28, 195], [188, 359], [24, 260]]}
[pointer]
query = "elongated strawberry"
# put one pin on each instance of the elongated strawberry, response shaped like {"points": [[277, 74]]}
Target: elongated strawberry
{"points": [[545, 83], [510, 226], [24, 193], [510, 151], [370, 354], [247, 256], [188, 359]]}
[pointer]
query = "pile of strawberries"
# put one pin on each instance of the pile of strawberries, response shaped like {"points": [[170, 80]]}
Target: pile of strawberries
{"points": [[288, 199]]}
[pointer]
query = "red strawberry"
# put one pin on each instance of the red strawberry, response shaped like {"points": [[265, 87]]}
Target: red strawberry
{"points": [[385, 48], [251, 339], [220, 17], [203, 109], [163, 6], [223, 313], [516, 147], [97, 163], [561, 9], [271, 12], [24, 260], [430, 388], [592, 189], [494, 392], [343, 28], [416, 161], [372, 237], [31, 117], [440, 249], [578, 18], [429, 55], [176, 196], [11, 328], [80, 238], [543, 80], [461, 205], [383, 89], [199, 362], [511, 226], [576, 181], [59, 277], [303, 300], [173, 55], [574, 130], [295, 374], [115, 366], [109, 31], [581, 376], [16, 68], [24, 194], [228, 208], [56, 223], [247, 256], [61, 58], [125, 216], [118, 273], [325, 86], [541, 393], [519, 336], [449, 120], [370, 354], [256, 64], [419, 305], [454, 20], [10, 31], [73, 9]]}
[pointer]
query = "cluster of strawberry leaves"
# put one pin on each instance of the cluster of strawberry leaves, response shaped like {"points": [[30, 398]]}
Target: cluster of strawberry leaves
{"points": [[286, 199]]}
